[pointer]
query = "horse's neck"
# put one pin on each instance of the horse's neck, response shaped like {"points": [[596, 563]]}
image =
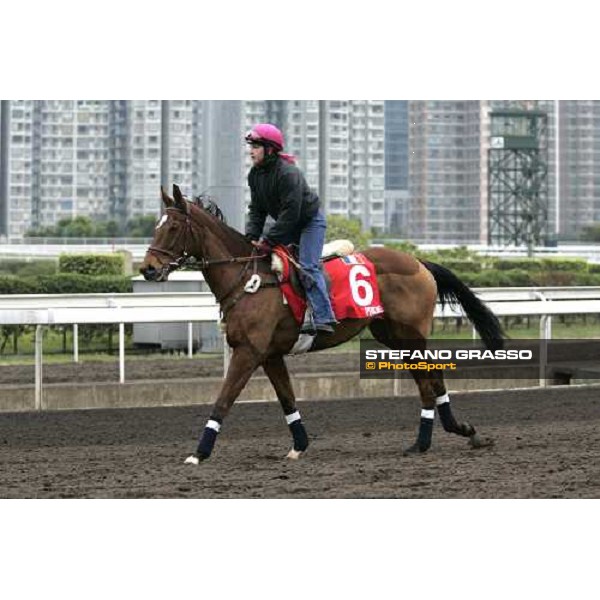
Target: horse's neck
{"points": [[220, 278]]}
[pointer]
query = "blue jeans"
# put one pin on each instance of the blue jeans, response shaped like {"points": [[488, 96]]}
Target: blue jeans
{"points": [[311, 247]]}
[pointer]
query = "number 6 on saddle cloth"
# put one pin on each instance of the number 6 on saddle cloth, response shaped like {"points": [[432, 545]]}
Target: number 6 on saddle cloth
{"points": [[350, 279]]}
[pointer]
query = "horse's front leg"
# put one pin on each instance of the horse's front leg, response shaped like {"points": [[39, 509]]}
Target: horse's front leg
{"points": [[244, 362], [278, 375]]}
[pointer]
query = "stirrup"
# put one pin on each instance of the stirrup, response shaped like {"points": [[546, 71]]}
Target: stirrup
{"points": [[308, 329]]}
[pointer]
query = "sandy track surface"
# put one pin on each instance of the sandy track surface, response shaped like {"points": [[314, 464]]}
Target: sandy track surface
{"points": [[547, 446]]}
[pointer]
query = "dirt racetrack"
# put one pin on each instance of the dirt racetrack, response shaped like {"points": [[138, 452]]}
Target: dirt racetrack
{"points": [[547, 446]]}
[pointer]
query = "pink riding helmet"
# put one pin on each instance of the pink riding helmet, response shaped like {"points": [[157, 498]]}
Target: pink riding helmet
{"points": [[266, 133]]}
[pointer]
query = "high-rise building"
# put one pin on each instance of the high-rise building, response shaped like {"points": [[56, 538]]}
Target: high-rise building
{"points": [[579, 164], [339, 145], [396, 166], [178, 121], [118, 155], [223, 162], [152, 144], [444, 171], [301, 132], [71, 170], [107, 159], [142, 147], [16, 174], [448, 168], [4, 133], [367, 165]]}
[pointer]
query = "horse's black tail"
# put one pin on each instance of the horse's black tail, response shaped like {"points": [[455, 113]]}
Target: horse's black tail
{"points": [[452, 290]]}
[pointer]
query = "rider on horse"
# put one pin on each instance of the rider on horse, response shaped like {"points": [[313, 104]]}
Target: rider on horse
{"points": [[278, 188]]}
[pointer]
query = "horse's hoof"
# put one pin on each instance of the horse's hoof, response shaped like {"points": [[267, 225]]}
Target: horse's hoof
{"points": [[476, 441], [192, 460], [294, 454], [414, 449], [468, 430]]}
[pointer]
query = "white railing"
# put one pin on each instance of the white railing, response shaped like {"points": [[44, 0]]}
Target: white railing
{"points": [[49, 251], [190, 307], [61, 309], [78, 309]]}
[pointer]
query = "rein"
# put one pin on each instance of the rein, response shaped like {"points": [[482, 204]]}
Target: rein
{"points": [[205, 263]]}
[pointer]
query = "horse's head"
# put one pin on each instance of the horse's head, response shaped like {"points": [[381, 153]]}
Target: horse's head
{"points": [[172, 236]]}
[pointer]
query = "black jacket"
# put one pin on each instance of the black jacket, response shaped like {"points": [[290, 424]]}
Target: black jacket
{"points": [[279, 189]]}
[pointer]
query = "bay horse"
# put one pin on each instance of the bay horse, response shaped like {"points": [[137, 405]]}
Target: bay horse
{"points": [[261, 329]]}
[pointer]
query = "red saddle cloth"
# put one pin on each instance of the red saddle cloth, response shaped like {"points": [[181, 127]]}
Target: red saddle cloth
{"points": [[353, 291]]}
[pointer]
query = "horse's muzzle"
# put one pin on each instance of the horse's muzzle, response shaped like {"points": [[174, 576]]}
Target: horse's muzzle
{"points": [[152, 274]]}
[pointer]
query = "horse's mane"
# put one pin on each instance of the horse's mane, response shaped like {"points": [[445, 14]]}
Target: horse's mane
{"points": [[210, 206], [224, 232]]}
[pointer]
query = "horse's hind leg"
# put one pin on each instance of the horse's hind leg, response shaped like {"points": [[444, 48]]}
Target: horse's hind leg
{"points": [[433, 394], [401, 337], [426, 391], [449, 423], [278, 375], [432, 389]]}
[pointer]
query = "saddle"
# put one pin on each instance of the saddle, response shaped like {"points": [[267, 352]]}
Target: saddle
{"points": [[286, 264], [338, 260]]}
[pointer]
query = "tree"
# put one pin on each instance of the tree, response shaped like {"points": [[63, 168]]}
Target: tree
{"points": [[404, 246], [79, 227], [591, 233], [84, 227], [47, 231], [340, 228], [142, 226], [107, 229]]}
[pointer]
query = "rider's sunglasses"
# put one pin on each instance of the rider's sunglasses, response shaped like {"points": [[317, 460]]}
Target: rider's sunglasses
{"points": [[255, 144]]}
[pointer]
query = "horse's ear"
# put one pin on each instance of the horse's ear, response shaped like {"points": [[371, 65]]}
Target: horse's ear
{"points": [[167, 200], [180, 201]]}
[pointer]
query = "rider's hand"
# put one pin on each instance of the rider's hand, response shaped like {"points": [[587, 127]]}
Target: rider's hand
{"points": [[263, 246]]}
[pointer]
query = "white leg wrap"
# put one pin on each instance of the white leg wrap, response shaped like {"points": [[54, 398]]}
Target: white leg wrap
{"points": [[289, 419], [442, 399], [427, 414], [214, 425]]}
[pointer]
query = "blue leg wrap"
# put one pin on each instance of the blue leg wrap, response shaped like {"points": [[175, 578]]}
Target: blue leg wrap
{"points": [[299, 435], [209, 437]]}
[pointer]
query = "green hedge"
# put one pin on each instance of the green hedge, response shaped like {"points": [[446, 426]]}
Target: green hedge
{"points": [[65, 283], [565, 264], [593, 267], [520, 278], [510, 278], [523, 264], [587, 278], [407, 247], [461, 266], [11, 284], [469, 278], [92, 264], [554, 278], [24, 268], [458, 253]]}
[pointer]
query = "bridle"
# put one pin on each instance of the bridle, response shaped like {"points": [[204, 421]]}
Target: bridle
{"points": [[205, 263], [176, 262]]}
